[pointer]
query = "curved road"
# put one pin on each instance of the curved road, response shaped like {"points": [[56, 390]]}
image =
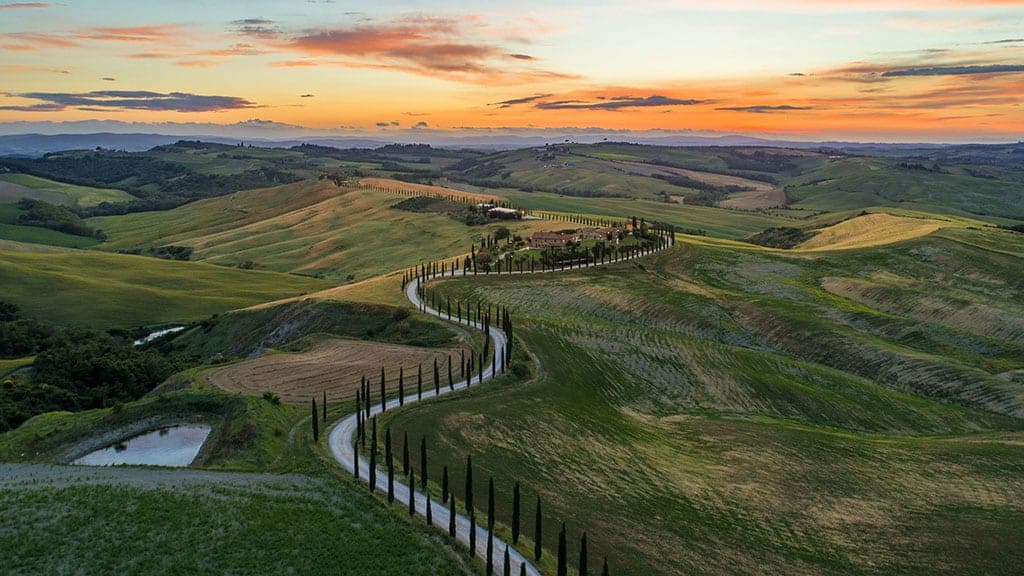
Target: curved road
{"points": [[342, 442]]}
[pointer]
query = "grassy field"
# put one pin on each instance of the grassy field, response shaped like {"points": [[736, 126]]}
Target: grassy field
{"points": [[715, 410], [311, 227], [715, 221], [115, 290], [10, 230], [8, 365], [852, 183], [264, 523], [80, 196]]}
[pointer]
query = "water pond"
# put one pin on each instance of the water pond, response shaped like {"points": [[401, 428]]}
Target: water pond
{"points": [[175, 446]]}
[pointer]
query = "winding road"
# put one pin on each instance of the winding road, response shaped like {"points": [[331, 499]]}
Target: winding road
{"points": [[342, 438]]}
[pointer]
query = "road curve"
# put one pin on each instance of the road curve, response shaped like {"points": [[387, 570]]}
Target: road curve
{"points": [[342, 440]]}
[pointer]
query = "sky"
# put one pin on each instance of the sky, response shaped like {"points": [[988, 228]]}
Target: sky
{"points": [[869, 70]]}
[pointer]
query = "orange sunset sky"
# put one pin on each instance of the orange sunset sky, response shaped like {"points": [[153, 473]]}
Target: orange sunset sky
{"points": [[805, 69]]}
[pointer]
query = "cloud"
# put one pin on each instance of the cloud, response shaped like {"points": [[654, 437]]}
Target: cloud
{"points": [[256, 27], [305, 96], [1006, 41], [420, 124], [388, 124], [523, 100], [107, 100], [24, 5], [154, 33], [13, 68], [955, 70], [109, 79], [764, 109], [618, 103], [452, 48]]}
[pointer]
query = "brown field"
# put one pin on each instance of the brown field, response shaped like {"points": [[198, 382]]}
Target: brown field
{"points": [[334, 366], [427, 190], [763, 195]]}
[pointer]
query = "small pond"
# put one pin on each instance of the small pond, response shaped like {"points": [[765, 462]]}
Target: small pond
{"points": [[172, 446]]}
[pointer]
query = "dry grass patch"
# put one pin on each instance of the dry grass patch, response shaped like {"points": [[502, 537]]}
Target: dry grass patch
{"points": [[872, 230], [334, 366]]}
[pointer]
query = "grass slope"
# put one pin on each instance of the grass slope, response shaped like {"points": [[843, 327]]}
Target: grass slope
{"points": [[718, 410], [74, 195], [312, 227], [12, 231], [115, 290]]}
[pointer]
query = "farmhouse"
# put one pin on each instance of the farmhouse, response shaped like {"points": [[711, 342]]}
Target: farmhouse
{"points": [[549, 240], [590, 234]]}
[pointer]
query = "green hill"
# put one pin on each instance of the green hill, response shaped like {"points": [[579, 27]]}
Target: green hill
{"points": [[715, 409], [116, 290]]}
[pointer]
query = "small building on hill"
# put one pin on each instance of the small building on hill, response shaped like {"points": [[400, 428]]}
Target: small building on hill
{"points": [[549, 240]]}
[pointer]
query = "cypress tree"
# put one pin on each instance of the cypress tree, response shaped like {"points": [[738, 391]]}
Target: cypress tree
{"points": [[604, 569], [583, 556], [472, 534], [462, 364], [423, 463], [355, 459], [522, 567], [537, 534], [469, 484], [437, 379], [412, 493], [366, 396], [383, 391], [490, 552], [389, 462], [490, 503], [373, 456], [401, 386], [451, 517], [405, 453], [444, 483], [508, 563], [515, 514], [563, 561], [316, 423], [419, 382], [430, 515]]}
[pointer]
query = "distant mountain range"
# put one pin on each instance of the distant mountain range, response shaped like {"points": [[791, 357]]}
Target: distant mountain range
{"points": [[37, 138]]}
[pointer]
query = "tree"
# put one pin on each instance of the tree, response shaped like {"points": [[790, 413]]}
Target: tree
{"points": [[390, 464], [563, 561], [401, 386], [444, 483], [490, 552], [515, 514], [316, 423], [537, 534], [469, 484], [583, 556], [419, 382], [423, 463], [405, 454], [604, 569], [437, 379], [508, 563], [472, 534], [355, 459], [373, 456], [522, 569], [383, 392], [412, 493], [451, 517], [430, 515]]}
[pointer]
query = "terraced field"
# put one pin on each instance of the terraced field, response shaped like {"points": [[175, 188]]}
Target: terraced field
{"points": [[333, 366], [713, 410], [871, 230]]}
